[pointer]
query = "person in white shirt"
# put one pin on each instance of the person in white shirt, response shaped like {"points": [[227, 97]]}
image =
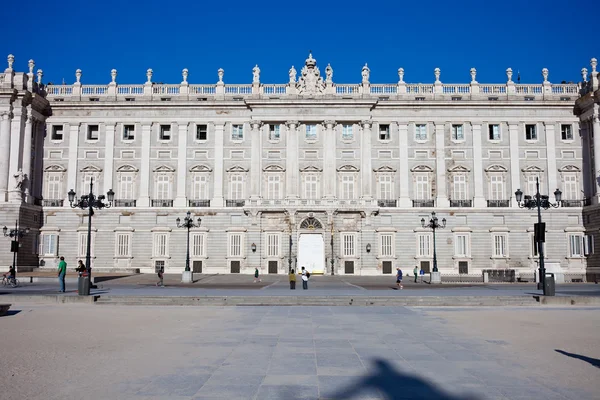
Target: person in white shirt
{"points": [[305, 275]]}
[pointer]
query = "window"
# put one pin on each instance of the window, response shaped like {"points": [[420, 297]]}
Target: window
{"points": [[87, 181], [235, 245], [274, 132], [461, 245], [531, 185], [122, 244], [272, 245], [496, 187], [57, 132], [200, 187], [347, 187], [384, 132], [494, 131], [385, 187], [92, 132], [588, 245], [197, 244], [566, 132], [128, 132], [237, 187], [386, 245], [53, 191], [82, 248], [237, 132], [310, 187], [571, 189], [422, 187], [347, 132], [500, 245], [201, 132], [165, 132], [424, 245], [163, 187], [273, 187], [311, 132], [459, 187], [126, 187], [49, 244], [458, 133], [161, 245], [421, 132], [575, 245], [534, 247], [530, 132], [348, 244]]}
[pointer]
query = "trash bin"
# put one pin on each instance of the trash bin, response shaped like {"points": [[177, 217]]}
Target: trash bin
{"points": [[83, 286], [549, 284]]}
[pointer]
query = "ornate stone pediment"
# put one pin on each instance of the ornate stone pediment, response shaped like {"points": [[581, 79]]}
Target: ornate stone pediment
{"points": [[311, 168], [310, 82], [496, 168], [237, 168], [163, 168], [421, 168], [532, 170], [569, 168], [200, 168], [127, 168], [274, 168], [458, 169], [385, 168], [90, 169], [348, 168], [55, 168]]}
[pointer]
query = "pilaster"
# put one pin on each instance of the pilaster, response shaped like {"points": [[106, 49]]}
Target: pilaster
{"points": [[73, 130], [291, 160], [109, 155], [26, 153], [217, 200], [255, 159], [596, 135], [366, 162], [182, 136], [404, 199], [16, 150], [479, 198], [551, 156], [5, 125], [440, 167], [144, 199], [515, 181], [329, 142]]}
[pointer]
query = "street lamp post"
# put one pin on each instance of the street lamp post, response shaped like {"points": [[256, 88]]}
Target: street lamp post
{"points": [[290, 255], [15, 235], [539, 201], [188, 223], [434, 224], [90, 201], [332, 258]]}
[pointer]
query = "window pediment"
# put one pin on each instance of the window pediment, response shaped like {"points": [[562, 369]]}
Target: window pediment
{"points": [[421, 168], [459, 169], [348, 168], [274, 168], [237, 168], [569, 168], [55, 168], [163, 168], [91, 169], [200, 168], [496, 168], [385, 168], [127, 168], [532, 170], [311, 168]]}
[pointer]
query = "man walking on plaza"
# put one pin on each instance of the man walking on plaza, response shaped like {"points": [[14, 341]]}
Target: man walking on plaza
{"points": [[62, 271], [416, 272], [399, 278], [304, 278], [256, 275]]}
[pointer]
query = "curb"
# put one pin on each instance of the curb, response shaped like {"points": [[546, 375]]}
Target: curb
{"points": [[48, 299]]}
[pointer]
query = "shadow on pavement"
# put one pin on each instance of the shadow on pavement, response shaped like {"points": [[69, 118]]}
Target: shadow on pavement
{"points": [[98, 279], [393, 385], [594, 361], [11, 312]]}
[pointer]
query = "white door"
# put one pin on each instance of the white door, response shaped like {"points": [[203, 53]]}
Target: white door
{"points": [[311, 253]]}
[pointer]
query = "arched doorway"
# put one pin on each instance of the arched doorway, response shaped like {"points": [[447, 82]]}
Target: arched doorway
{"points": [[311, 246]]}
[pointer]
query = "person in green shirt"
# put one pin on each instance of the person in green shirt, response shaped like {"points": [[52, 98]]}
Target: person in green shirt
{"points": [[62, 271]]}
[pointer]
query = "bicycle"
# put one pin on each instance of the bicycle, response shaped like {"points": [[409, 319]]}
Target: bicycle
{"points": [[13, 282]]}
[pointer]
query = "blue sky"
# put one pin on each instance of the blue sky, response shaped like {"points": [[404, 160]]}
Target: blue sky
{"points": [[203, 36]]}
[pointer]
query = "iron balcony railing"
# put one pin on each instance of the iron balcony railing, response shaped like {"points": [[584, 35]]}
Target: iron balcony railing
{"points": [[423, 203], [386, 203], [124, 203], [461, 203], [199, 203], [498, 203], [53, 202], [235, 203], [571, 203], [162, 203]]}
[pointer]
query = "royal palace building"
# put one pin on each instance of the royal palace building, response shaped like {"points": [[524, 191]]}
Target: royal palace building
{"points": [[306, 173]]}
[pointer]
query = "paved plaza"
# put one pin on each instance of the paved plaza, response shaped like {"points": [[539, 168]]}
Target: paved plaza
{"points": [[120, 352]]}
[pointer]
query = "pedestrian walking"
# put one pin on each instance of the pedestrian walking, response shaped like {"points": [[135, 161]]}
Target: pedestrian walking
{"points": [[292, 277], [161, 275], [305, 275], [399, 278], [256, 276], [421, 274], [62, 271], [416, 272], [80, 268]]}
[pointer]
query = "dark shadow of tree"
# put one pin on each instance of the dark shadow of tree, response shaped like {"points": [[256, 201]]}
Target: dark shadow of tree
{"points": [[594, 361]]}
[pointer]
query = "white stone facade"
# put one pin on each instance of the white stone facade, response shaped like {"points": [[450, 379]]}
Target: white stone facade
{"points": [[356, 165]]}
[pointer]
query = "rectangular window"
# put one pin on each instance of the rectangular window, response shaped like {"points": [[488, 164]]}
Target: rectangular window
{"points": [[421, 132], [500, 245], [57, 132], [348, 244], [575, 245], [424, 245], [461, 245], [161, 245], [272, 245], [458, 132], [49, 244], [163, 187], [531, 185], [122, 242], [566, 132], [422, 187], [273, 187], [128, 132], [126, 187], [386, 248], [92, 132], [197, 244], [534, 247], [530, 132], [165, 132], [385, 187], [588, 245], [459, 187], [494, 131], [310, 187], [235, 245], [384, 132], [53, 191], [87, 181], [201, 132], [237, 132], [82, 248], [347, 187], [200, 187], [311, 132], [496, 187], [274, 132], [571, 189], [347, 132], [237, 187]]}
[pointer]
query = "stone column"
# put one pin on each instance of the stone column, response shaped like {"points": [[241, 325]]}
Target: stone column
{"points": [[440, 167], [551, 157], [217, 200], [596, 174], [144, 197], [479, 198], [329, 160], [26, 154], [515, 180], [181, 198], [109, 155], [16, 150], [365, 162], [291, 160], [4, 154], [255, 160], [73, 132], [404, 198]]}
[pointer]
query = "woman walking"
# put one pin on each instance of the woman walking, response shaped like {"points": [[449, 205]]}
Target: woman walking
{"points": [[292, 277]]}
